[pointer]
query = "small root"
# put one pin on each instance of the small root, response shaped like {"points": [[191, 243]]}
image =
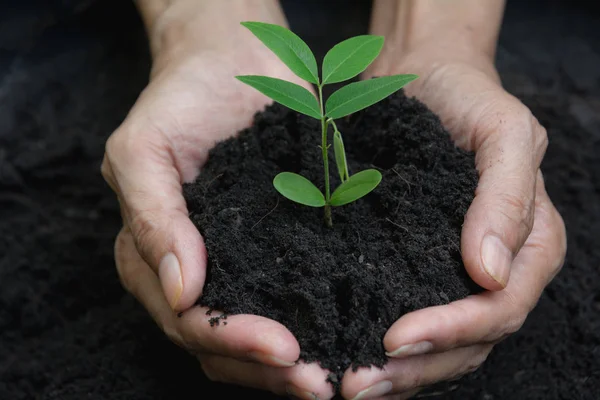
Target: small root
{"points": [[266, 215], [403, 178], [398, 225], [205, 188]]}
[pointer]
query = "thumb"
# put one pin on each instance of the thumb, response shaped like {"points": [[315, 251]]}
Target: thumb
{"points": [[500, 218], [141, 169]]}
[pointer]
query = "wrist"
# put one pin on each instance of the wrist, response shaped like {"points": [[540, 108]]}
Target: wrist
{"points": [[187, 29], [429, 33]]}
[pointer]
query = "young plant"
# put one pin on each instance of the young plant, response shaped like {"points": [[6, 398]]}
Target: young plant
{"points": [[342, 62]]}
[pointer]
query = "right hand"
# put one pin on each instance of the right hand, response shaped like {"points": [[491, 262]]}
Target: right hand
{"points": [[192, 101]]}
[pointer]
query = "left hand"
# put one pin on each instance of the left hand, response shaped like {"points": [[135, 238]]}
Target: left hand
{"points": [[512, 230]]}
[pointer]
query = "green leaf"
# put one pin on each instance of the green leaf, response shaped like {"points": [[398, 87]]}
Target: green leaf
{"points": [[356, 187], [349, 58], [299, 189], [358, 95], [290, 49], [340, 155], [287, 93]]}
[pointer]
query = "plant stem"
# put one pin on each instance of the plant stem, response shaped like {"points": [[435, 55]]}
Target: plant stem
{"points": [[324, 149]]}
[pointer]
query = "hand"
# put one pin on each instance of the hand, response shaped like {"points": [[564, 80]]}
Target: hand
{"points": [[513, 239], [192, 101]]}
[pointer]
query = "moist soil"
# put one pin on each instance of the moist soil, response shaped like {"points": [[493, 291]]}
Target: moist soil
{"points": [[68, 330], [336, 289]]}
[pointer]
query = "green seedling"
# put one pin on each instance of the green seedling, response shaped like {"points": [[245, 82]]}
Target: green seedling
{"points": [[342, 62]]}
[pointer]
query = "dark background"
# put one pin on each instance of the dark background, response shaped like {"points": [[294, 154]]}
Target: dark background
{"points": [[70, 71]]}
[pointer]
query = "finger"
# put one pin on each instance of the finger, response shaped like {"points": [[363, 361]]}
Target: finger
{"points": [[242, 336], [245, 337], [303, 381], [406, 375], [139, 280], [143, 173], [489, 316], [406, 395], [401, 396], [509, 149]]}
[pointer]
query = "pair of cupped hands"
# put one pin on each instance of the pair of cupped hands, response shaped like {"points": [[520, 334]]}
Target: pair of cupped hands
{"points": [[512, 242]]}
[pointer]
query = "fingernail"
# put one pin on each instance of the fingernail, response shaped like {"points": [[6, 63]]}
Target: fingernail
{"points": [[270, 360], [414, 349], [295, 392], [169, 272], [496, 259], [378, 389]]}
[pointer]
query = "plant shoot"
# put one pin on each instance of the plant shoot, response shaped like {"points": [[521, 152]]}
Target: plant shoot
{"points": [[342, 62]]}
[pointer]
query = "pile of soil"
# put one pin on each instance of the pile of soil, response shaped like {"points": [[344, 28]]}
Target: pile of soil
{"points": [[68, 330], [393, 251]]}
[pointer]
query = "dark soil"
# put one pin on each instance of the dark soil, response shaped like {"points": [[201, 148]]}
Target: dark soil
{"points": [[338, 290], [68, 330]]}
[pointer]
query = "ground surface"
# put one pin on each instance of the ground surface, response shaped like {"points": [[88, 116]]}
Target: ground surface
{"points": [[68, 330]]}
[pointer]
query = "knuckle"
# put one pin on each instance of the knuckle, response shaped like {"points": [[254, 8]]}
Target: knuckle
{"points": [[518, 208], [174, 336], [511, 302], [119, 142], [458, 335], [512, 326], [410, 375], [123, 268], [105, 169], [210, 369], [481, 356], [130, 281], [143, 225], [559, 223], [111, 147], [528, 127], [217, 369], [146, 226], [470, 368], [114, 149], [516, 318], [518, 122], [455, 325], [540, 136], [129, 272], [196, 343], [554, 250], [416, 375], [517, 202], [464, 371], [107, 173], [472, 364], [126, 144], [137, 139]]}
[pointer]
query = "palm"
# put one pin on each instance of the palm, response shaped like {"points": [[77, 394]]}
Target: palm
{"points": [[195, 108]]}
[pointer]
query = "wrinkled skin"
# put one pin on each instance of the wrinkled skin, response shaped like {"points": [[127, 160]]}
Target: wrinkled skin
{"points": [[193, 101], [511, 203]]}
